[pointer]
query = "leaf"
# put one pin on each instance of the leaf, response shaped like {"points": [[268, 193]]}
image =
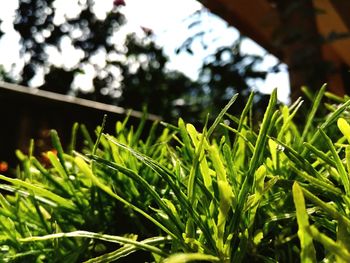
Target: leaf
{"points": [[322, 185], [187, 257], [320, 154], [127, 250], [311, 174], [57, 164], [94, 149], [329, 120], [221, 114], [344, 127], [200, 143], [326, 207], [41, 192], [226, 201], [333, 247], [58, 146], [73, 141], [344, 176], [104, 237], [311, 115], [87, 136], [50, 177], [308, 253], [343, 238], [273, 150]]}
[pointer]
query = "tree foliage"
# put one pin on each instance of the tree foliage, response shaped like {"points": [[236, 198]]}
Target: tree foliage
{"points": [[133, 72]]}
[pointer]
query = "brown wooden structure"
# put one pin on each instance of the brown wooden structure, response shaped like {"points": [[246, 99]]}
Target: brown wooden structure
{"points": [[31, 113], [266, 20]]}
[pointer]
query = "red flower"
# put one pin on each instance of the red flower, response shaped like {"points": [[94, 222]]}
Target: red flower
{"points": [[119, 2], [3, 167]]}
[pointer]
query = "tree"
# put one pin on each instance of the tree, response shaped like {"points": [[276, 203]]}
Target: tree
{"points": [[132, 75]]}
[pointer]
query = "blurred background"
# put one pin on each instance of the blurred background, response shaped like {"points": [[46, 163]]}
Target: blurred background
{"points": [[66, 61]]}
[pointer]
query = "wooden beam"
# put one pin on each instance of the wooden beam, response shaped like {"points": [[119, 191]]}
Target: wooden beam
{"points": [[343, 9], [330, 21], [52, 97], [258, 20]]}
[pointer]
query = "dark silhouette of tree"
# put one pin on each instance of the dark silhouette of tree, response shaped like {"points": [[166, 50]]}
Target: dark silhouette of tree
{"points": [[133, 75], [227, 72]]}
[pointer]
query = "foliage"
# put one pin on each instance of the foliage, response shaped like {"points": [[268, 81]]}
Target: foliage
{"points": [[271, 193], [132, 69]]}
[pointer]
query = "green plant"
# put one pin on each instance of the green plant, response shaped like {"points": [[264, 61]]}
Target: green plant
{"points": [[230, 192]]}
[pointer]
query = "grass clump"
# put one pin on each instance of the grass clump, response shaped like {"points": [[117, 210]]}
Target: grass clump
{"points": [[272, 193]]}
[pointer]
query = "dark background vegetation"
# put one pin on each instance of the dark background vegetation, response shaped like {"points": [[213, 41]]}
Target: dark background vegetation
{"points": [[167, 93]]}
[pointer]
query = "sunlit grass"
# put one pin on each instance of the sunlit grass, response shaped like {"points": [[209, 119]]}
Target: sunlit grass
{"points": [[230, 191]]}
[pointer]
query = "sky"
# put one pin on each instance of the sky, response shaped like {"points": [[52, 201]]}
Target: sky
{"points": [[169, 20]]}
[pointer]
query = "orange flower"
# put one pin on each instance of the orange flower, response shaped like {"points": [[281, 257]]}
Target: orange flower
{"points": [[45, 158], [3, 166]]}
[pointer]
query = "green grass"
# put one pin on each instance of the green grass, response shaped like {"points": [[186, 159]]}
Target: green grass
{"points": [[232, 191]]}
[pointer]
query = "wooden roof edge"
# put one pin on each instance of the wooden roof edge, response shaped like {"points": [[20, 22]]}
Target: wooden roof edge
{"points": [[74, 100], [232, 19], [343, 9]]}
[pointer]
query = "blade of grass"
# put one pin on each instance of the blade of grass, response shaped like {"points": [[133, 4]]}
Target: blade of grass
{"points": [[311, 115], [18, 256], [50, 177], [287, 118], [188, 257], [41, 192], [43, 222], [326, 207], [344, 127], [120, 126], [87, 136], [308, 252], [99, 134], [58, 146], [186, 140], [320, 154], [221, 114], [200, 161], [26, 194], [331, 119], [57, 164], [316, 182], [104, 237], [330, 244], [241, 124], [339, 165], [139, 129], [334, 97], [127, 250], [73, 141], [343, 237], [300, 161]]}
